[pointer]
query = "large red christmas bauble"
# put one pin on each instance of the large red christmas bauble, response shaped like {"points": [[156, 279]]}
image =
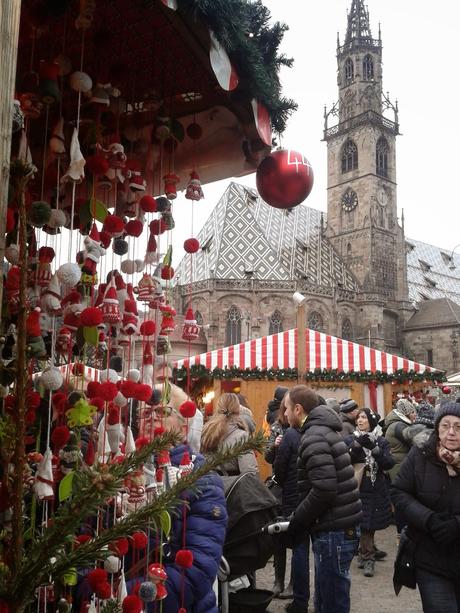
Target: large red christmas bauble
{"points": [[284, 178]]}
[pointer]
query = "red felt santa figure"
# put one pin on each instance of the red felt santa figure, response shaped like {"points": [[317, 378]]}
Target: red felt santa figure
{"points": [[93, 251], [45, 257], [110, 307], [63, 341]]}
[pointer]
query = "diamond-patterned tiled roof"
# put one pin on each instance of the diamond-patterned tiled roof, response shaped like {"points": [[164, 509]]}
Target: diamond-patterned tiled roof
{"points": [[244, 234], [432, 272]]}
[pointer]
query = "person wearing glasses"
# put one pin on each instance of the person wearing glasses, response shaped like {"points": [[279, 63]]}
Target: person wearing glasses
{"points": [[427, 492]]}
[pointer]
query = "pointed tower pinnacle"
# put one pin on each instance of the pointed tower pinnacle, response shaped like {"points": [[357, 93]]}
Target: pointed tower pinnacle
{"points": [[358, 22]]}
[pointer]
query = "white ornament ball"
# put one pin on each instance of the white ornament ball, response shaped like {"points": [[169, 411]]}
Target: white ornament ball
{"points": [[12, 254], [120, 400], [80, 82], [133, 375], [112, 564], [108, 375], [69, 274], [128, 267], [51, 379], [58, 219], [140, 265]]}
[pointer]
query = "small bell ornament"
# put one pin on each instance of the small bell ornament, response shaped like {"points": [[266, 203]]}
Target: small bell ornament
{"points": [[171, 179], [167, 322], [193, 190], [110, 307], [190, 329]]}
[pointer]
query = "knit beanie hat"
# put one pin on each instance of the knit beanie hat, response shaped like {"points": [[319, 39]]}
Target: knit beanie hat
{"points": [[447, 408], [348, 405], [404, 406], [372, 418], [425, 414]]}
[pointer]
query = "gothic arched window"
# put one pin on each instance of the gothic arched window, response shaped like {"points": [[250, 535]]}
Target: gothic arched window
{"points": [[349, 156], [347, 329], [275, 323], [381, 157], [349, 249], [199, 318], [349, 70], [315, 321], [233, 327], [368, 68]]}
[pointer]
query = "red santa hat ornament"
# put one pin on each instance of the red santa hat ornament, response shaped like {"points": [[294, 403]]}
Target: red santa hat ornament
{"points": [[193, 190], [110, 307], [190, 329]]}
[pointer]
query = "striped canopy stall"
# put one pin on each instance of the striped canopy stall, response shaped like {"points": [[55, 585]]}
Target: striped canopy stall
{"points": [[323, 352]]}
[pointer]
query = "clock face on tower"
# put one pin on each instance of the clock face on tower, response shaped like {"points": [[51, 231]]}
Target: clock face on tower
{"points": [[382, 197], [349, 200]]}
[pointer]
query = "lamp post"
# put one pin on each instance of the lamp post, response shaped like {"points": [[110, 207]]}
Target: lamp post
{"points": [[300, 303]]}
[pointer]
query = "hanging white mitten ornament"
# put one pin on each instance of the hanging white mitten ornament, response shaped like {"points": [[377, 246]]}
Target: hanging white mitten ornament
{"points": [[57, 142], [76, 170]]}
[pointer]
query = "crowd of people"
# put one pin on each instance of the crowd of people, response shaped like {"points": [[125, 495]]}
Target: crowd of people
{"points": [[342, 472]]}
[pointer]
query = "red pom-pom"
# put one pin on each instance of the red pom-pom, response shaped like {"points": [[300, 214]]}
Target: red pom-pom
{"points": [[91, 317], [132, 604], [184, 558], [93, 389], [108, 391], [60, 403], [113, 416], [134, 228], [98, 403], [148, 204], [141, 442], [113, 224], [167, 273], [96, 577], [158, 431], [147, 328], [446, 389], [33, 400], [139, 540], [157, 226], [97, 164], [187, 408], [103, 590], [106, 239], [30, 417], [128, 389], [82, 538], [120, 546], [191, 245], [60, 436], [143, 392]]}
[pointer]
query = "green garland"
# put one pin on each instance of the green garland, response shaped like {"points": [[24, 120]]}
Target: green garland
{"points": [[318, 375], [242, 27]]}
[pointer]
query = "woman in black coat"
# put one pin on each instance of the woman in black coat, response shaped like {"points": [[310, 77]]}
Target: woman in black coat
{"points": [[427, 492], [370, 448]]}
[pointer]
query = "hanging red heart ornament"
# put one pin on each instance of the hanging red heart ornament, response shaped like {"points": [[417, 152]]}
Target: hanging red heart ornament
{"points": [[284, 179]]}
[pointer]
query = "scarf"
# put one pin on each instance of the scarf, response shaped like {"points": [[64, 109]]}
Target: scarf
{"points": [[369, 459], [451, 459]]}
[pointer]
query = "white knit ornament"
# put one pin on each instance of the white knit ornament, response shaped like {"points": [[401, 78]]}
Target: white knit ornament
{"points": [[140, 265], [51, 379], [80, 81], [128, 267], [112, 564], [58, 219], [69, 274], [108, 375], [133, 375], [130, 445], [120, 400], [12, 254]]}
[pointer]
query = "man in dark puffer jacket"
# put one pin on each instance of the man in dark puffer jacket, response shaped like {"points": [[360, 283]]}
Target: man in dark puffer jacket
{"points": [[329, 505]]}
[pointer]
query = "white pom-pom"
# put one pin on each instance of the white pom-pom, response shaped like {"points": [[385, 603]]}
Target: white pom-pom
{"points": [[133, 375], [140, 265], [58, 219], [108, 375], [112, 564], [120, 400], [80, 81], [51, 379], [69, 274], [12, 254], [128, 267]]}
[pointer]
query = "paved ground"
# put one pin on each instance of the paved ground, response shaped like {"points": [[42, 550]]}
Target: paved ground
{"points": [[368, 595]]}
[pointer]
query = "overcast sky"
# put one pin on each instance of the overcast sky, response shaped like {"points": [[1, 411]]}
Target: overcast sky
{"points": [[421, 70]]}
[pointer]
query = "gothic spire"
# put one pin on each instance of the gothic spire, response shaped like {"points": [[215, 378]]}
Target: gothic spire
{"points": [[358, 22]]}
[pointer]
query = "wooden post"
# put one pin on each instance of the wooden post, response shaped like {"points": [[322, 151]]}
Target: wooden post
{"points": [[301, 344], [10, 12]]}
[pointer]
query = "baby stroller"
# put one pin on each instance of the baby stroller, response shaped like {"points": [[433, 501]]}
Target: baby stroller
{"points": [[248, 546]]}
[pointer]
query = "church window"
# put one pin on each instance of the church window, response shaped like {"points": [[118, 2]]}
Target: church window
{"points": [[349, 249], [347, 329], [349, 70], [381, 157], [315, 321], [349, 156], [368, 68], [199, 318], [275, 323], [429, 357], [233, 328]]}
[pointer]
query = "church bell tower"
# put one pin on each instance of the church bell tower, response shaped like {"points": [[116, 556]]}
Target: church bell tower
{"points": [[361, 204]]}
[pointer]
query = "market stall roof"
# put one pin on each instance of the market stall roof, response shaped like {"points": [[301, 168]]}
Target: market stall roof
{"points": [[279, 351], [454, 379]]}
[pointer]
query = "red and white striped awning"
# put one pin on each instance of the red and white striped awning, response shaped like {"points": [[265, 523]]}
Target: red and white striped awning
{"points": [[323, 351]]}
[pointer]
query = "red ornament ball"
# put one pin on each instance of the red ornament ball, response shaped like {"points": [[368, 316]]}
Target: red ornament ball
{"points": [[96, 577], [105, 239], [93, 389], [91, 317], [134, 228], [187, 409], [113, 224], [108, 391], [191, 245], [284, 179], [143, 392], [157, 226], [147, 328], [60, 436], [132, 604], [446, 389], [184, 558], [139, 540], [167, 273], [148, 204], [103, 590], [194, 131]]}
